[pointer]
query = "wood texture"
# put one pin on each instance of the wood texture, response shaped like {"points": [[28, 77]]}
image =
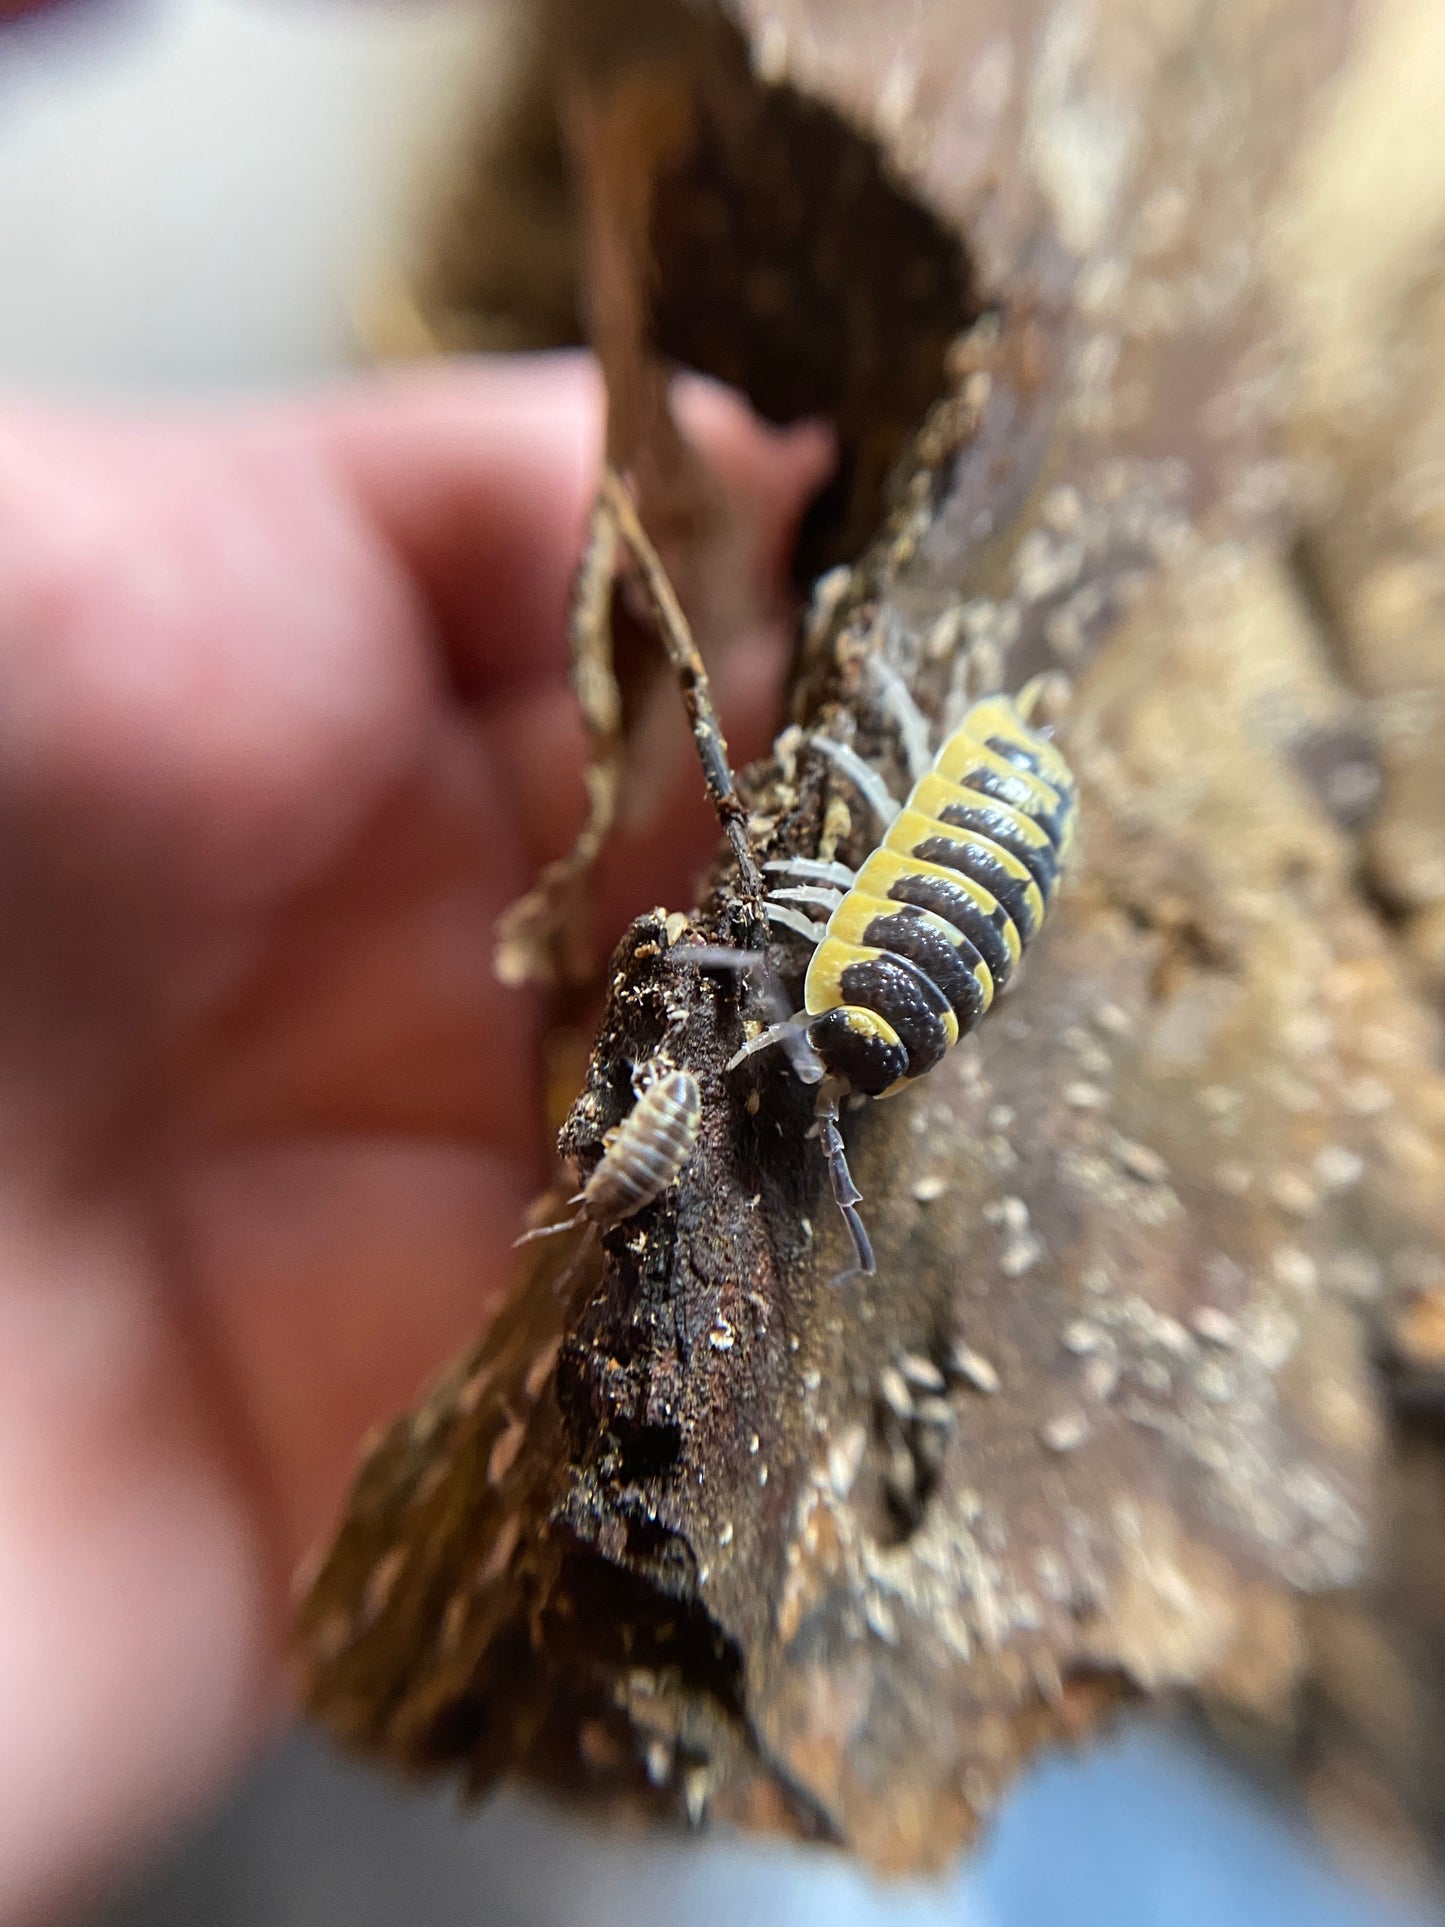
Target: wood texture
{"points": [[1160, 1251]]}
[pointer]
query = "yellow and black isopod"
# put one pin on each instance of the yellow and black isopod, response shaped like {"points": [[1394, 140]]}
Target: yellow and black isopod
{"points": [[921, 938]]}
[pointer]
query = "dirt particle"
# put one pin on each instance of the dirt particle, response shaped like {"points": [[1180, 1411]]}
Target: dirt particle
{"points": [[1213, 1382], [499, 1553], [1272, 1337], [844, 1458], [1083, 1096], [900, 1475], [1020, 1254], [1141, 1161], [1011, 1213], [893, 1390], [837, 823], [475, 1389], [973, 1368], [1083, 1337], [1170, 1334], [1337, 1167], [921, 1372], [1233, 1177], [1356, 1275], [1093, 1059], [1295, 1269], [1219, 1100], [1100, 1376], [1368, 1096], [1294, 1194], [936, 1412], [540, 1370], [1062, 509], [1065, 1432], [382, 1584], [1214, 1326], [504, 1452]]}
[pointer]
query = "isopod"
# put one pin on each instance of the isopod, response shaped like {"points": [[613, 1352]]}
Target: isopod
{"points": [[643, 1154], [921, 938]]}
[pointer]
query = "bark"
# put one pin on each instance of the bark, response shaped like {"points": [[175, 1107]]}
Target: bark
{"points": [[1144, 1397]]}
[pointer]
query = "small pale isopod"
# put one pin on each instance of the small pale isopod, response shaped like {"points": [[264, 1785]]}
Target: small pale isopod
{"points": [[643, 1154]]}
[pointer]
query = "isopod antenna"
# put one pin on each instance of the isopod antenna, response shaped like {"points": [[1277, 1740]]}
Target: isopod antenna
{"points": [[682, 651], [846, 1194]]}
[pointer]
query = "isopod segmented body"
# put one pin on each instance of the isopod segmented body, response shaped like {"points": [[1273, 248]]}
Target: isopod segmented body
{"points": [[922, 937], [644, 1153], [930, 928], [640, 1156]]}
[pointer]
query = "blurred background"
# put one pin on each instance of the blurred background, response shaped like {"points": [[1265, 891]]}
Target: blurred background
{"points": [[196, 194], [198, 197]]}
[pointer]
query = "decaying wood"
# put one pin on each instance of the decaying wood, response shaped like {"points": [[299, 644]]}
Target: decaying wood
{"points": [[542, 937], [1161, 1250]]}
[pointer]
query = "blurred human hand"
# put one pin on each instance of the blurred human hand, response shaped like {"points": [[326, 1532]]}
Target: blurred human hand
{"points": [[283, 726]]}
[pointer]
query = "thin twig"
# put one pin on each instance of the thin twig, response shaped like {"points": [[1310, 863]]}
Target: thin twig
{"points": [[536, 938], [677, 639]]}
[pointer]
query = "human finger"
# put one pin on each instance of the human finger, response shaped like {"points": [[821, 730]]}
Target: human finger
{"points": [[482, 474]]}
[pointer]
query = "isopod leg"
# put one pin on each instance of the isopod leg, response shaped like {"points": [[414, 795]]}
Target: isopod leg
{"points": [[551, 1230], [645, 1073], [806, 1064], [865, 779], [789, 919], [823, 895], [846, 1194], [895, 699], [716, 956], [1044, 699], [791, 1032], [811, 869]]}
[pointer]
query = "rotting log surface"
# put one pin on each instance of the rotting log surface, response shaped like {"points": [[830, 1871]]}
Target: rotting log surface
{"points": [[1161, 1248]]}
